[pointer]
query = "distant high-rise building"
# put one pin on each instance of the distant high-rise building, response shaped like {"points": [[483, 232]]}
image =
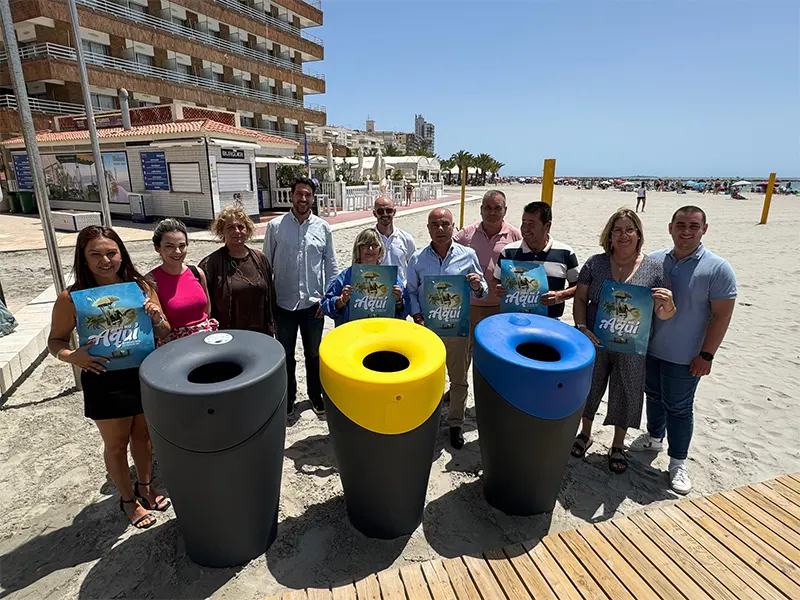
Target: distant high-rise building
{"points": [[426, 132], [370, 126]]}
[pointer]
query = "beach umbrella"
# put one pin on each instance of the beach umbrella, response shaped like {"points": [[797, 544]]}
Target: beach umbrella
{"points": [[377, 172], [360, 168], [743, 182], [690, 183], [331, 171]]}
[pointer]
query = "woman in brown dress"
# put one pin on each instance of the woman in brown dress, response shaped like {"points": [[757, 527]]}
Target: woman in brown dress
{"points": [[239, 278]]}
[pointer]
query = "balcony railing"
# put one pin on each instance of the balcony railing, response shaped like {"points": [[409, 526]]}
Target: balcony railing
{"points": [[50, 107], [59, 52], [315, 3], [123, 12], [289, 135], [260, 15]]}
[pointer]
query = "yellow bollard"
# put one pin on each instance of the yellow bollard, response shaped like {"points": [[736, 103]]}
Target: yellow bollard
{"points": [[548, 180], [768, 199], [463, 196]]}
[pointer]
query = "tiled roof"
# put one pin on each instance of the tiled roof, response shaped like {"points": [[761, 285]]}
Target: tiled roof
{"points": [[199, 126]]}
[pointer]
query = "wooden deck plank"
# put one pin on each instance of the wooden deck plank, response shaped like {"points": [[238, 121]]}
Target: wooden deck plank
{"points": [[460, 579], [735, 545], [617, 564], [762, 503], [295, 595], [794, 477], [392, 587], [368, 588], [695, 549], [414, 582], [318, 594], [506, 576], [606, 578], [664, 562], [639, 562], [788, 500], [344, 592], [438, 580], [552, 572], [483, 577], [756, 519], [580, 577], [701, 575], [746, 572], [534, 582], [754, 542]]}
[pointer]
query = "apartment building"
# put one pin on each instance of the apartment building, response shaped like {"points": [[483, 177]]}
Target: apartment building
{"points": [[249, 57], [425, 133]]}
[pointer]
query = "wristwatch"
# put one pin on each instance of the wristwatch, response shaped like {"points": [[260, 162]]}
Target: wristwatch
{"points": [[706, 356]]}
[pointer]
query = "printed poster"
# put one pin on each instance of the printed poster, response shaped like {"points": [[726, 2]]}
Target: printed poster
{"points": [[624, 317], [445, 304], [372, 291], [525, 283], [113, 317]]}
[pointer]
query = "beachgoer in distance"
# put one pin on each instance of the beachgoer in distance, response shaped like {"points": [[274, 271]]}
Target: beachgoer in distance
{"points": [[368, 249], [400, 246], [409, 192], [181, 288], [681, 351], [621, 260], [538, 246], [112, 399], [641, 196], [299, 246], [443, 257], [241, 291]]}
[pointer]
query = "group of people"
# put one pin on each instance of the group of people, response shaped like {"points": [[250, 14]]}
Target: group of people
{"points": [[294, 282]]}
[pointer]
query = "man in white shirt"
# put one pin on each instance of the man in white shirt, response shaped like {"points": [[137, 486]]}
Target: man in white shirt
{"points": [[400, 246], [641, 196]]}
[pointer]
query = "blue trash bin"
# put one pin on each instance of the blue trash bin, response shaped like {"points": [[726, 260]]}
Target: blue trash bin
{"points": [[531, 377]]}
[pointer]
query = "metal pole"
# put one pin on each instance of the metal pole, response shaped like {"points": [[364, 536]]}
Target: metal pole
{"points": [[99, 169], [29, 135]]}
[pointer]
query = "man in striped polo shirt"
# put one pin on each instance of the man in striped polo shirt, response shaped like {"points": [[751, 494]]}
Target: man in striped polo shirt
{"points": [[559, 260]]}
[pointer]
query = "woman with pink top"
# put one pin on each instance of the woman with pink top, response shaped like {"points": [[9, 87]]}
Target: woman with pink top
{"points": [[182, 289]]}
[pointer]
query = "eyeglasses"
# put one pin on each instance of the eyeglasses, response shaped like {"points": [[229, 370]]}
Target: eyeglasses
{"points": [[384, 211], [618, 231], [371, 246]]}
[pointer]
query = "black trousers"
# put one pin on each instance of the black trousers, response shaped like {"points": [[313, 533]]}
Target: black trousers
{"points": [[287, 324]]}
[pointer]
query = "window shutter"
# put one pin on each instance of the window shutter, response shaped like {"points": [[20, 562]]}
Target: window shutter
{"points": [[185, 177], [234, 177]]}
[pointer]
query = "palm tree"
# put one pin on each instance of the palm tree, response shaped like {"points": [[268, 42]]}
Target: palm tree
{"points": [[463, 160], [445, 164], [495, 168], [483, 162], [392, 150]]}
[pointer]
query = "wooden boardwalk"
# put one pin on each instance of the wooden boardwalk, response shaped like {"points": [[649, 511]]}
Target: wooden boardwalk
{"points": [[742, 544]]}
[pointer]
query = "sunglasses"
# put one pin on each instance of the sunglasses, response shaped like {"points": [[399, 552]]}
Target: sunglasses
{"points": [[384, 211]]}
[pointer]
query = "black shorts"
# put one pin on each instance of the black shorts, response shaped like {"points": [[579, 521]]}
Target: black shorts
{"points": [[111, 395]]}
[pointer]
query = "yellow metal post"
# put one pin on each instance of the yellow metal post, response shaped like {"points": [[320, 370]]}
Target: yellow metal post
{"points": [[548, 180], [768, 199], [463, 196]]}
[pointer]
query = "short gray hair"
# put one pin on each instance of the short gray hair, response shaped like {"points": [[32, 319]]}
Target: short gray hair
{"points": [[491, 193], [366, 237]]}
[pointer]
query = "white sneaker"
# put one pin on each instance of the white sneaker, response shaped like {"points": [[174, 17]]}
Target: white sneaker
{"points": [[647, 443], [679, 480]]}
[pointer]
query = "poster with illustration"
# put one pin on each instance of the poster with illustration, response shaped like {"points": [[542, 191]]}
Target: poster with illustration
{"points": [[624, 317], [372, 291], [72, 177], [113, 317], [525, 283], [445, 304]]}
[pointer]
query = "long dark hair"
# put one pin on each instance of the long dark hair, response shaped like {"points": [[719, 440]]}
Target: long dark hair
{"points": [[84, 279]]}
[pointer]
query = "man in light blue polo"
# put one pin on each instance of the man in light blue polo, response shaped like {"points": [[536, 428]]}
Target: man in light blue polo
{"points": [[682, 349], [443, 257]]}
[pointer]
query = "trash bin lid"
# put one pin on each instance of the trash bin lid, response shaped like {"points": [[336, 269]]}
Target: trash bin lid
{"points": [[538, 364], [386, 375], [211, 391]]}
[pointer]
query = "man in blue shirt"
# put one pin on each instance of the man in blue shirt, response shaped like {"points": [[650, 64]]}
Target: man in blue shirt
{"points": [[443, 257], [682, 349], [299, 246]]}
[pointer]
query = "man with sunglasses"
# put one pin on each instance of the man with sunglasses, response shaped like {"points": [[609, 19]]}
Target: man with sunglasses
{"points": [[400, 246]]}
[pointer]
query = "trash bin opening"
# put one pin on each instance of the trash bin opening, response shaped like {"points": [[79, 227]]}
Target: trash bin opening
{"points": [[538, 351], [385, 361], [214, 372]]}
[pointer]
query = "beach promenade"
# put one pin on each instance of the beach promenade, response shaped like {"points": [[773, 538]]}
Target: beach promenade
{"points": [[62, 535]]}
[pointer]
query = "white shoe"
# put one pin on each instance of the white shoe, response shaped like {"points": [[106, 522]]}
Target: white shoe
{"points": [[647, 443], [679, 480]]}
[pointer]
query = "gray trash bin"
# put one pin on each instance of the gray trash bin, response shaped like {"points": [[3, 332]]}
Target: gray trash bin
{"points": [[215, 407]]}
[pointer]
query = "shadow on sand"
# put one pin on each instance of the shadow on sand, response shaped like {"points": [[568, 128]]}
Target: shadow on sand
{"points": [[313, 455]]}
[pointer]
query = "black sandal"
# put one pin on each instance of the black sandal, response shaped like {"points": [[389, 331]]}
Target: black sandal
{"points": [[579, 449], [137, 522], [617, 462], [146, 503]]}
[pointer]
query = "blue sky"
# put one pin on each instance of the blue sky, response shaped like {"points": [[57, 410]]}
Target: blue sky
{"points": [[639, 87]]}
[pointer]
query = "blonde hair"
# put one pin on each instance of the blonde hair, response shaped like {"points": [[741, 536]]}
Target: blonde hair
{"points": [[368, 236], [230, 214], [622, 213]]}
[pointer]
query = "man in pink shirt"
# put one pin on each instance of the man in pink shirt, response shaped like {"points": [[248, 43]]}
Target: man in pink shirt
{"points": [[487, 237]]}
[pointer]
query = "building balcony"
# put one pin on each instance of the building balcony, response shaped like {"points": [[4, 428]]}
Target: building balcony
{"points": [[48, 107], [107, 71]]}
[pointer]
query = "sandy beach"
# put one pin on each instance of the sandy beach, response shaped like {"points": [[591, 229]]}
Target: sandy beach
{"points": [[62, 534]]}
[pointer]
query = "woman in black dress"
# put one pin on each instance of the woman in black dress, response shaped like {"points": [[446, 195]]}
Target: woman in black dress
{"points": [[112, 399], [239, 278]]}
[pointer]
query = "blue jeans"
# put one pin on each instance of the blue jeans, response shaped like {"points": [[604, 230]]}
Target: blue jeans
{"points": [[670, 389]]}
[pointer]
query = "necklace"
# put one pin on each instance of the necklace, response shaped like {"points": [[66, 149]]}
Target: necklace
{"points": [[238, 271]]}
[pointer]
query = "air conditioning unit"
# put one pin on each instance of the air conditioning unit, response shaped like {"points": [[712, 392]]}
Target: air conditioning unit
{"points": [[141, 207]]}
